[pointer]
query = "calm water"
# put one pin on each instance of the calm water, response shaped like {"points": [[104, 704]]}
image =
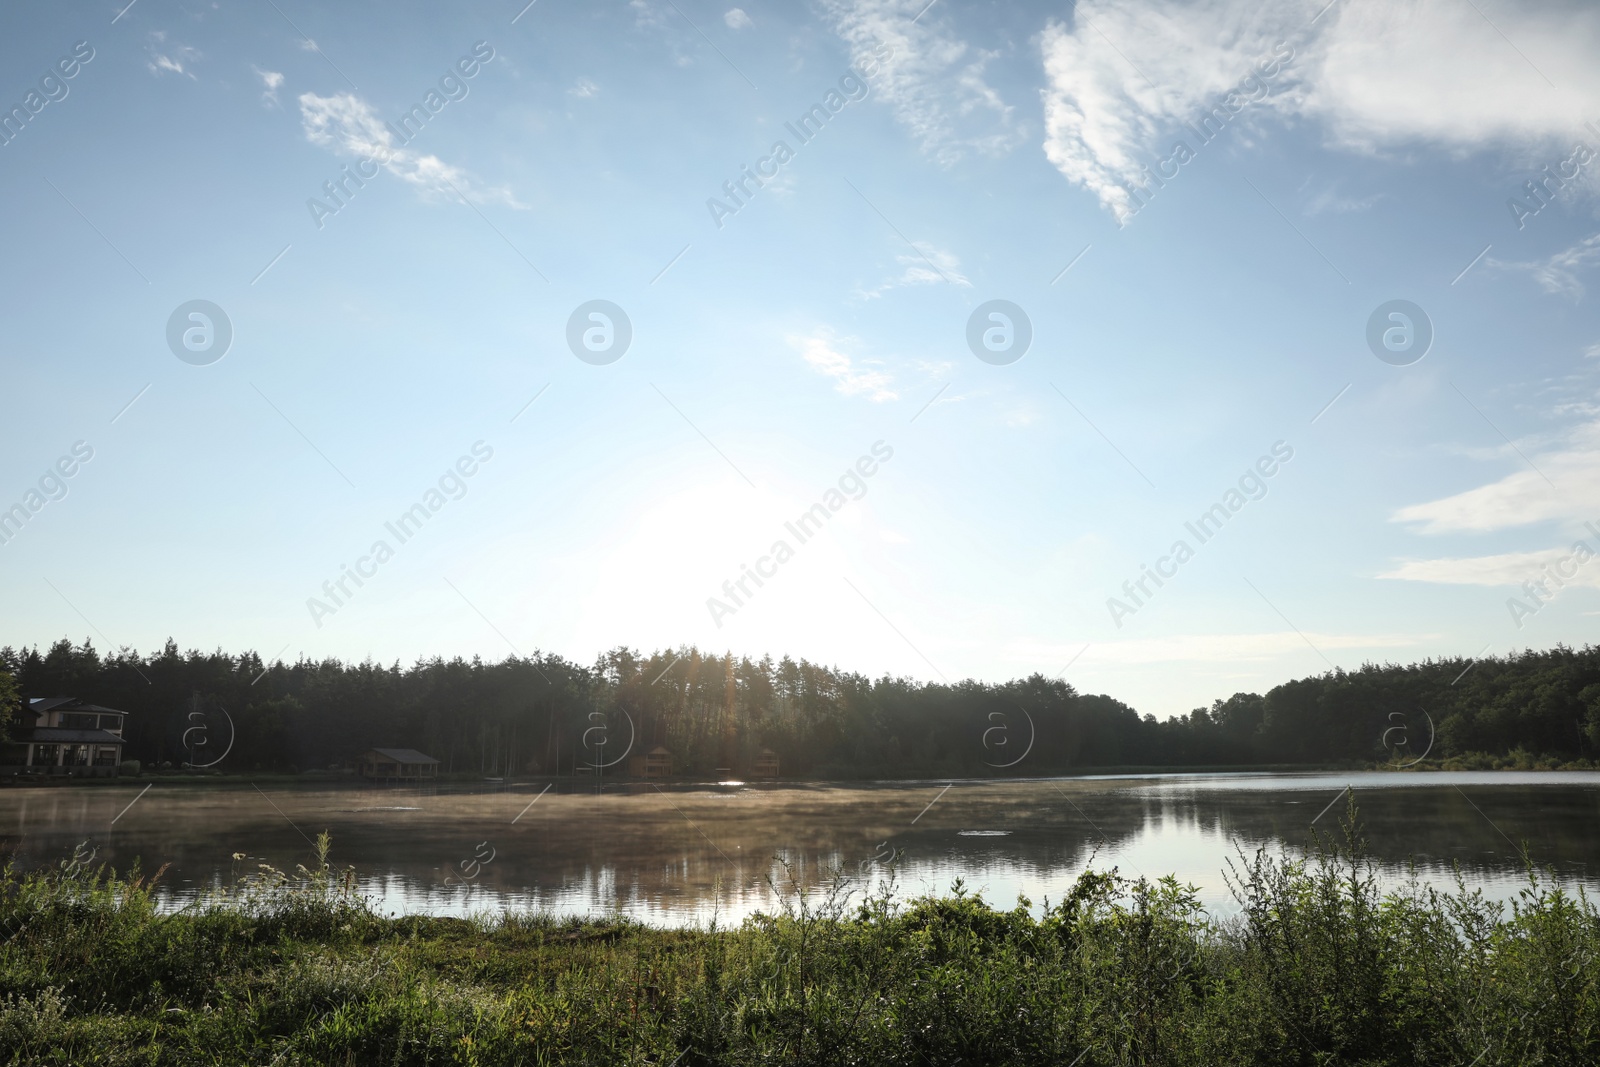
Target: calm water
{"points": [[682, 854]]}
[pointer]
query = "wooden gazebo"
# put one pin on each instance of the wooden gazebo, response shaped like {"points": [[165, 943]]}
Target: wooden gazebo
{"points": [[397, 764], [657, 763]]}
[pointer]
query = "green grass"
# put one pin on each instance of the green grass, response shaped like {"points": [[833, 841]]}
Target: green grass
{"points": [[1316, 966]]}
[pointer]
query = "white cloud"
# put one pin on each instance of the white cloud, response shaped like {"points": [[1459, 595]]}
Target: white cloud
{"points": [[934, 83], [308, 45], [737, 19], [1507, 568], [1020, 417], [1330, 202], [1376, 74], [584, 89], [821, 351], [926, 266], [1237, 648], [1519, 499], [347, 126], [1559, 273], [1523, 497], [1128, 74], [273, 82], [646, 16], [1435, 71], [784, 185], [172, 59]]}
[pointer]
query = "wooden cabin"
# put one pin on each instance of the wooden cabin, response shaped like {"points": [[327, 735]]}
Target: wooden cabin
{"points": [[657, 763], [397, 764], [766, 765]]}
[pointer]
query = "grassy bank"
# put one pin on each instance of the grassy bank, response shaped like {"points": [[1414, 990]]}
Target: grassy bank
{"points": [[1518, 759], [1316, 967]]}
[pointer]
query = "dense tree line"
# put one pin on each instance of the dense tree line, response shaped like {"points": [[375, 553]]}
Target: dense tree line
{"points": [[548, 715]]}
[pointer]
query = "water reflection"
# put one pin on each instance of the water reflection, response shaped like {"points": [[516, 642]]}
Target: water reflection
{"points": [[686, 854]]}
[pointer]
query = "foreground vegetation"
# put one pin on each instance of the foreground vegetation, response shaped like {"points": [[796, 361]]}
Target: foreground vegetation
{"points": [[534, 715], [1315, 965]]}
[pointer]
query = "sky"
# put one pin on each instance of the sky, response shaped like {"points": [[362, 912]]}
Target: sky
{"points": [[551, 323]]}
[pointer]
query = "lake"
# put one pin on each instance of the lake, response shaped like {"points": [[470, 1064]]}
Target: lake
{"points": [[685, 854]]}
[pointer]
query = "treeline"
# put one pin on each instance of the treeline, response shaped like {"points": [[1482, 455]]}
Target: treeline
{"points": [[548, 715]]}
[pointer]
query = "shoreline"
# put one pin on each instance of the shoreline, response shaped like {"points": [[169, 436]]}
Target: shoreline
{"points": [[1474, 764]]}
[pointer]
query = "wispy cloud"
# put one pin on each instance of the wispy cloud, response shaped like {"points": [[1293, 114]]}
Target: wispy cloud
{"points": [[1506, 568], [926, 266], [736, 19], [648, 16], [1559, 273], [822, 352], [1123, 75], [348, 126], [934, 83], [1523, 497], [169, 59], [584, 89], [273, 82], [1331, 202], [1239, 648]]}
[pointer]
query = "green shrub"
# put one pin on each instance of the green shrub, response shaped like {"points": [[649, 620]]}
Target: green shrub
{"points": [[1315, 965]]}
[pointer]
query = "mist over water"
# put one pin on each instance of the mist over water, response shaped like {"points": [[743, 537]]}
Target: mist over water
{"points": [[687, 854]]}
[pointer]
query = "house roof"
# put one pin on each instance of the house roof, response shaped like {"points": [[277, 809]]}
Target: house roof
{"points": [[54, 735], [43, 704], [403, 755], [660, 750]]}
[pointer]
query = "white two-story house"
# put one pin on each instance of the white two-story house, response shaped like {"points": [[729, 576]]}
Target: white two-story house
{"points": [[65, 736]]}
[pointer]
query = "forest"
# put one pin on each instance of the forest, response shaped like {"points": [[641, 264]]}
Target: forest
{"points": [[546, 715]]}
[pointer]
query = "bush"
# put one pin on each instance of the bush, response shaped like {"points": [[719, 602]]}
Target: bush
{"points": [[130, 767], [1317, 966]]}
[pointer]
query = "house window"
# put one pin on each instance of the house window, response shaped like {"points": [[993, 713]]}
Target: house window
{"points": [[105, 756], [112, 723], [46, 755], [75, 756], [77, 720]]}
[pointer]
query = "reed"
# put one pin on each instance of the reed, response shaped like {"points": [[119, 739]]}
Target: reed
{"points": [[1314, 965]]}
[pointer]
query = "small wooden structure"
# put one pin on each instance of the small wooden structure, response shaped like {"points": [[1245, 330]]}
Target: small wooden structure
{"points": [[402, 764], [766, 765], [657, 763]]}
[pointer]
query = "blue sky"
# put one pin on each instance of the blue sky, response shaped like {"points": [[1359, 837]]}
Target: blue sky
{"points": [[982, 151]]}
